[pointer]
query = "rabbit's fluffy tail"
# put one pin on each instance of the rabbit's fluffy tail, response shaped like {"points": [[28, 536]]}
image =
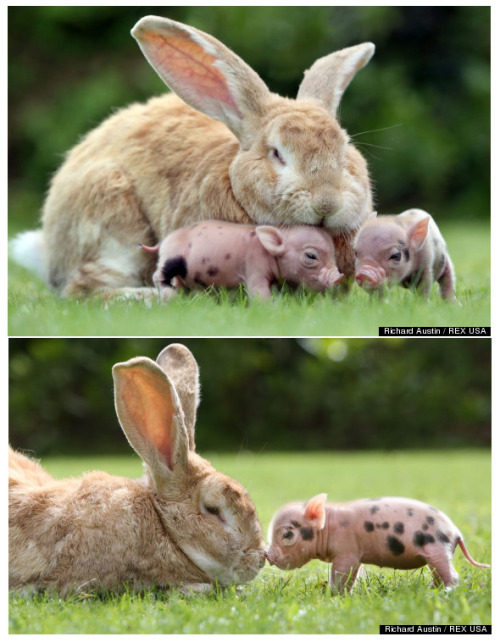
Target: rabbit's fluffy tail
{"points": [[27, 249], [25, 472]]}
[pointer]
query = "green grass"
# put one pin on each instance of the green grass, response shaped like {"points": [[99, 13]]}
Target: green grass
{"points": [[36, 311], [458, 482]]}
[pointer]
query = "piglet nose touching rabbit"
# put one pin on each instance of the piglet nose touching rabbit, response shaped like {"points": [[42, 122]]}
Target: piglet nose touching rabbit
{"points": [[221, 147], [183, 524]]}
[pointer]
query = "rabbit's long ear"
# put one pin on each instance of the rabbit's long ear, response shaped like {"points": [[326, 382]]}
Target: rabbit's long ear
{"points": [[181, 367], [202, 71], [149, 413], [329, 76]]}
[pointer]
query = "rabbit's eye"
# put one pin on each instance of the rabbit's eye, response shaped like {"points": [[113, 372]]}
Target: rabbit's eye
{"points": [[277, 156], [213, 510]]}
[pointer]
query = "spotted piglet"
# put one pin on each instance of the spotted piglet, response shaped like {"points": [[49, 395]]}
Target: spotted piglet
{"points": [[387, 531], [227, 254], [407, 249]]}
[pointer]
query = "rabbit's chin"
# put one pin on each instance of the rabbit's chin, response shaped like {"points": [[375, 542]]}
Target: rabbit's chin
{"points": [[219, 571], [354, 211], [353, 208]]}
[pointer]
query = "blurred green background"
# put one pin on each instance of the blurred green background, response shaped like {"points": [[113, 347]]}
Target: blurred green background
{"points": [[420, 111], [263, 395]]}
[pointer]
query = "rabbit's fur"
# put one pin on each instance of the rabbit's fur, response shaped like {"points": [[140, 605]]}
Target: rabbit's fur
{"points": [[104, 532], [151, 168]]}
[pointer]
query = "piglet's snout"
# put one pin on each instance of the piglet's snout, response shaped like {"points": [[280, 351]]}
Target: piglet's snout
{"points": [[331, 276], [369, 276]]}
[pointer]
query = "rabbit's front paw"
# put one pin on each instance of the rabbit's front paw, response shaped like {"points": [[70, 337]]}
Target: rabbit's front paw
{"points": [[198, 587]]}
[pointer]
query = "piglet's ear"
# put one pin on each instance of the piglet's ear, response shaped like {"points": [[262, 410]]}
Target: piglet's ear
{"points": [[315, 512], [271, 238], [418, 233]]}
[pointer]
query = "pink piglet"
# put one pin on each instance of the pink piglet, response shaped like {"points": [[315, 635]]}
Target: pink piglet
{"points": [[226, 254], [387, 531]]}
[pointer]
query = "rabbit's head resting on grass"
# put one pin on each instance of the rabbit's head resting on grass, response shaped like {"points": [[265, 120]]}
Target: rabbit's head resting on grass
{"points": [[182, 524], [243, 154]]}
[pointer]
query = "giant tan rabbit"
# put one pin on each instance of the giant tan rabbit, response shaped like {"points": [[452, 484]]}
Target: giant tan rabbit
{"points": [[221, 147], [183, 524]]}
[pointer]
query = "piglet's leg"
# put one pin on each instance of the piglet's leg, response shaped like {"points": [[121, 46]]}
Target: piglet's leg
{"points": [[259, 286], [425, 286], [343, 573], [442, 569], [447, 283]]}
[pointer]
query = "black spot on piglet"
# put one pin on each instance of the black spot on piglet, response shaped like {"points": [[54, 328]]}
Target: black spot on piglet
{"points": [[395, 545], [384, 525], [374, 509], [212, 270], [420, 539], [399, 527], [369, 527], [175, 266], [442, 537], [307, 533], [197, 279]]}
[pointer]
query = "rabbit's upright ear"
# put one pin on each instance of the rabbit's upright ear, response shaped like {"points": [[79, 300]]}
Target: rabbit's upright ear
{"points": [[149, 413], [329, 76], [202, 71], [181, 367]]}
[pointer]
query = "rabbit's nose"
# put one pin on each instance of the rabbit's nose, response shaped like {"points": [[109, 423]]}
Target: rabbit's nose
{"points": [[325, 205]]}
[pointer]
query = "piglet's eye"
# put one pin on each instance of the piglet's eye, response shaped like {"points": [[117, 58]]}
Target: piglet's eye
{"points": [[312, 256], [287, 535], [395, 257]]}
